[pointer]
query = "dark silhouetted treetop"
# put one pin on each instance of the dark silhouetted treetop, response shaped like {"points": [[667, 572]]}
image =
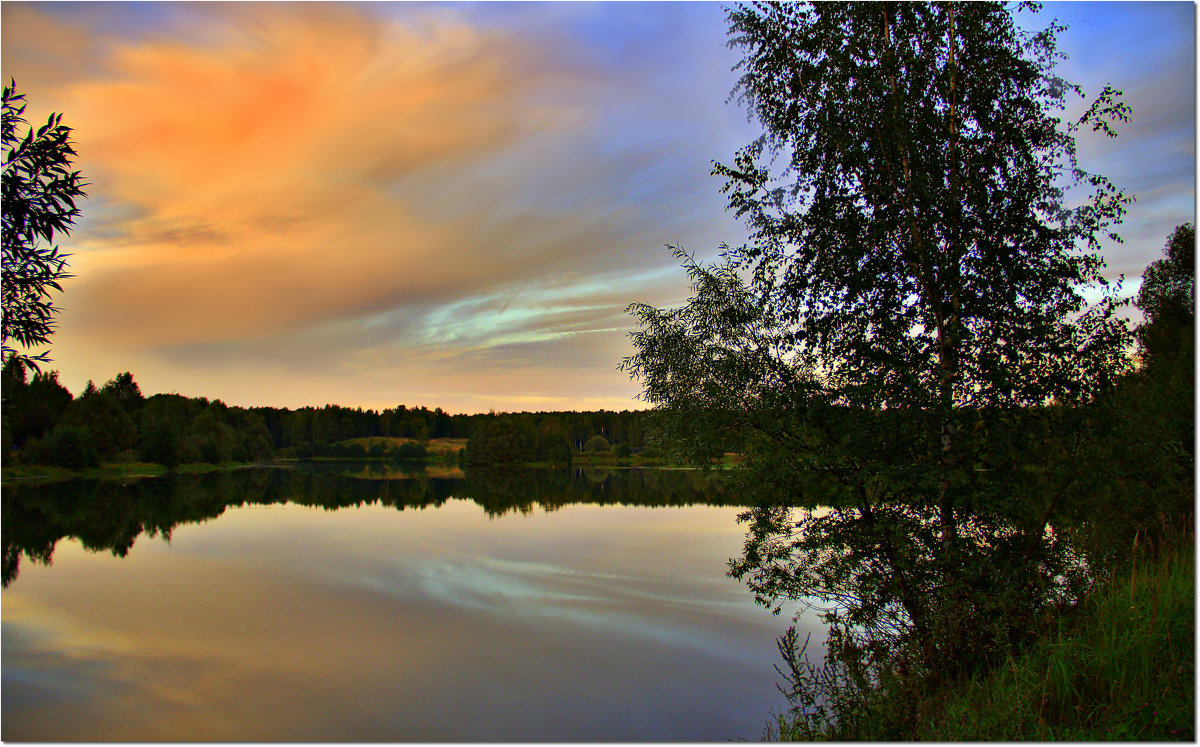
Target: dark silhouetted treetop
{"points": [[917, 246], [125, 389], [1168, 295], [39, 192]]}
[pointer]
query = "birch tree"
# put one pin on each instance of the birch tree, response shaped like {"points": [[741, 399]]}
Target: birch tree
{"points": [[910, 304]]}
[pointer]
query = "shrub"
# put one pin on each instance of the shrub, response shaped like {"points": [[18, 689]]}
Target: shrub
{"points": [[160, 443], [71, 447], [596, 443], [410, 451]]}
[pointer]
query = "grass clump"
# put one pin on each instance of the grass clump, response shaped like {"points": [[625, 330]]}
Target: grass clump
{"points": [[1120, 667]]}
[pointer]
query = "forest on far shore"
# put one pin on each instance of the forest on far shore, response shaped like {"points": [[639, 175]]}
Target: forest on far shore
{"points": [[43, 424]]}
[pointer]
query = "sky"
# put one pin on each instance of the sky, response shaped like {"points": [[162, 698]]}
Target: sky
{"points": [[448, 205]]}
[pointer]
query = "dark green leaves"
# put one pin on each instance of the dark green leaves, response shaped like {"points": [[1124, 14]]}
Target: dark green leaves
{"points": [[889, 342], [39, 203]]}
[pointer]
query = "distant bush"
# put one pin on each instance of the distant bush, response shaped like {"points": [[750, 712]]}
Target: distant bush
{"points": [[160, 443], [67, 446], [596, 443], [622, 450], [112, 428], [554, 447], [502, 440], [347, 451], [410, 451]]}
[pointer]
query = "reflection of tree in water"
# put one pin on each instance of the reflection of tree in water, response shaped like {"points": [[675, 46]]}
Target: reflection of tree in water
{"points": [[500, 491], [110, 515]]}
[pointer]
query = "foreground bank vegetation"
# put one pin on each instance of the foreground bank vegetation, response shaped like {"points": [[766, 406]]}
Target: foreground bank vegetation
{"points": [[956, 443]]}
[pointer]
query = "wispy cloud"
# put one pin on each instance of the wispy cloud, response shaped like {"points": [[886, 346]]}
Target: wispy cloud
{"points": [[300, 203], [256, 169], [404, 188]]}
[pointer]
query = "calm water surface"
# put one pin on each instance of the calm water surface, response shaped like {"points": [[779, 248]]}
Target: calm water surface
{"points": [[296, 605]]}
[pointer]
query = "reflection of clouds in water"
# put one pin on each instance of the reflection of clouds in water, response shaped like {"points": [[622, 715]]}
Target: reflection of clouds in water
{"points": [[644, 607], [53, 666], [295, 623], [40, 668]]}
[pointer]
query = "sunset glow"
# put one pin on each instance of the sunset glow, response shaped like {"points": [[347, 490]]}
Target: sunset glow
{"points": [[443, 205]]}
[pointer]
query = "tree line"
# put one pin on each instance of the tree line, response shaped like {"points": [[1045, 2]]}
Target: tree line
{"points": [[44, 424]]}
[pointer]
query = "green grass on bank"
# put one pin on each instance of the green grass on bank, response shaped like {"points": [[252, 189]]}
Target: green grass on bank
{"points": [[443, 453], [434, 446], [1121, 667], [607, 458], [108, 470]]}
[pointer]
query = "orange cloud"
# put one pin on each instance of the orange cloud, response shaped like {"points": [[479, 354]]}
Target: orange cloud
{"points": [[40, 52], [258, 164], [298, 203]]}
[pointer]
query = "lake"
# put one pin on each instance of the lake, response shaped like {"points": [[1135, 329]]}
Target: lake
{"points": [[357, 603]]}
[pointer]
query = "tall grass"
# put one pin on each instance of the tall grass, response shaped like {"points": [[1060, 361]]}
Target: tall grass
{"points": [[1119, 667]]}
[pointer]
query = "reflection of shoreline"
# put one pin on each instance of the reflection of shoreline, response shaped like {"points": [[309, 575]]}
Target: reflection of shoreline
{"points": [[383, 471], [19, 474], [443, 471], [285, 623], [110, 514], [368, 468]]}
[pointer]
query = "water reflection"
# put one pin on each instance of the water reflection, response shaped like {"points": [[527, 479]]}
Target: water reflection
{"points": [[285, 621], [111, 515]]}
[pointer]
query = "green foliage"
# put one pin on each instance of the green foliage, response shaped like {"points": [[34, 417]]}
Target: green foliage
{"points": [[410, 451], [174, 430], [159, 442], [254, 441], [67, 446], [554, 444], [905, 329], [1119, 667], [31, 407], [596, 443], [112, 427], [162, 426], [1139, 444], [520, 438], [915, 247], [209, 439], [502, 440], [1168, 300], [1172, 279], [126, 391], [39, 204]]}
